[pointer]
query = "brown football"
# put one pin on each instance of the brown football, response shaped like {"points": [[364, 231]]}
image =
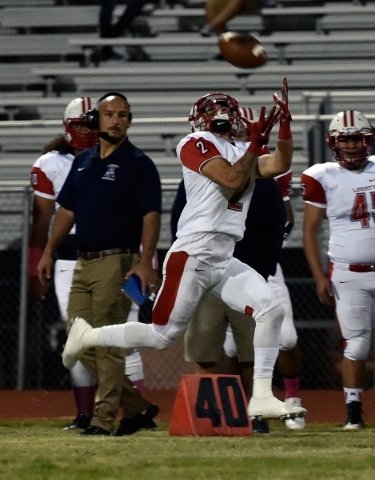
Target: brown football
{"points": [[241, 50]]}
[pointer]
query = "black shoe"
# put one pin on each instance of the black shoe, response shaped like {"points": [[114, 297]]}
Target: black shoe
{"points": [[128, 426], [80, 422], [354, 419], [260, 426], [108, 53], [137, 54], [92, 430], [149, 425]]}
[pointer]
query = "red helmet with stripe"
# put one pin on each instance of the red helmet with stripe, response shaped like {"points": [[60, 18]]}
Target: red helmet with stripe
{"points": [[217, 112], [353, 130], [76, 132]]}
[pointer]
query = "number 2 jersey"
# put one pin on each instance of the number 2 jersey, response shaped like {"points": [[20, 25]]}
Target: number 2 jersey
{"points": [[213, 219], [349, 199]]}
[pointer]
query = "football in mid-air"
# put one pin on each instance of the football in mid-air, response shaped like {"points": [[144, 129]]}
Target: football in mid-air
{"points": [[241, 50]]}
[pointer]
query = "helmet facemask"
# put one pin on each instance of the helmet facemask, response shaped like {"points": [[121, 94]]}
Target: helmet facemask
{"points": [[217, 113], [75, 114], [355, 134]]}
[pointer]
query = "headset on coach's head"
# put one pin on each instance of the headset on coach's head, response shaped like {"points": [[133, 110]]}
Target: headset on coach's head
{"points": [[92, 116]]}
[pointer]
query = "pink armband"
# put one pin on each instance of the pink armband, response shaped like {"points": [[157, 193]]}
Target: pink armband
{"points": [[35, 254], [285, 132]]}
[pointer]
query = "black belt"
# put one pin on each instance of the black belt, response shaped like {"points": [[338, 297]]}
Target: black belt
{"points": [[105, 253], [362, 268]]}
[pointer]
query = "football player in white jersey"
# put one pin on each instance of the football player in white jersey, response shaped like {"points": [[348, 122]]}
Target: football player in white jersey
{"points": [[219, 175], [344, 192], [47, 177]]}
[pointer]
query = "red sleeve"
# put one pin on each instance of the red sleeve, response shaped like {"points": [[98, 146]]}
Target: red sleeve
{"points": [[312, 190], [196, 152], [285, 183], [40, 182]]}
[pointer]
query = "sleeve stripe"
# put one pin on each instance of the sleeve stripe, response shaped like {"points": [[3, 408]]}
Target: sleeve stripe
{"points": [[313, 191], [196, 152], [40, 182]]}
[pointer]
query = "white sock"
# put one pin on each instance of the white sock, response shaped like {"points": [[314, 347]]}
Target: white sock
{"points": [[129, 335], [264, 362], [134, 366], [353, 394], [111, 336], [81, 377], [262, 387]]}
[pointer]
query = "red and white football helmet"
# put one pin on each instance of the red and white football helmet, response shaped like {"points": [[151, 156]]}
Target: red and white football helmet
{"points": [[75, 112], [218, 108], [350, 125]]}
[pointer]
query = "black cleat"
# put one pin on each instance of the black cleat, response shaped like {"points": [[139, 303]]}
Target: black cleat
{"points": [[128, 426], [92, 430], [354, 419], [260, 426], [80, 422]]}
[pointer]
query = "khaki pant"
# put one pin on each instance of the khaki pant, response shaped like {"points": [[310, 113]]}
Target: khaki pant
{"points": [[96, 296], [205, 336]]}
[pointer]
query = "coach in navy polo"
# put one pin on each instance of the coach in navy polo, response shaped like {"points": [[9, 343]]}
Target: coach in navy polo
{"points": [[113, 195]]}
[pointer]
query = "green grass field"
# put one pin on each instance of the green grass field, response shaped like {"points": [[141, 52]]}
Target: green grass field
{"points": [[41, 450]]}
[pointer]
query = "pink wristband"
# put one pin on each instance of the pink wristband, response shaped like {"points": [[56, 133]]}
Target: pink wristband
{"points": [[285, 132], [35, 254]]}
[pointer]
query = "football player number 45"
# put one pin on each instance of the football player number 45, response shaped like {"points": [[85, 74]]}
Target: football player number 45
{"points": [[360, 211]]}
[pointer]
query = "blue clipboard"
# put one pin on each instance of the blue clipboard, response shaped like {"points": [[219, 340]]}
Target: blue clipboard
{"points": [[132, 288]]}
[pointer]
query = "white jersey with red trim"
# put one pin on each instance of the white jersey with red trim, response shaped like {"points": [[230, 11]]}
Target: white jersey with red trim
{"points": [[213, 219], [49, 172], [349, 199]]}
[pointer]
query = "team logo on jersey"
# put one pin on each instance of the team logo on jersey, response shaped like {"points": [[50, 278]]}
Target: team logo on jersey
{"points": [[110, 173], [34, 179]]}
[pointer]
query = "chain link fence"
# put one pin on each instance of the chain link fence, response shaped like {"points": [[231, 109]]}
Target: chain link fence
{"points": [[32, 335]]}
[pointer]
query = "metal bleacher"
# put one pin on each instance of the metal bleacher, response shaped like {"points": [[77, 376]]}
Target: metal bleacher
{"points": [[45, 51]]}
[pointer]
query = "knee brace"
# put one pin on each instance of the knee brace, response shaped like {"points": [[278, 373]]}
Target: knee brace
{"points": [[273, 316], [358, 348], [267, 331]]}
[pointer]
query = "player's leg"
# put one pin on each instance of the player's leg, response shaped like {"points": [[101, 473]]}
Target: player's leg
{"points": [[244, 290], [205, 335], [354, 302], [185, 279], [289, 359], [239, 347], [239, 356], [84, 384], [133, 359]]}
